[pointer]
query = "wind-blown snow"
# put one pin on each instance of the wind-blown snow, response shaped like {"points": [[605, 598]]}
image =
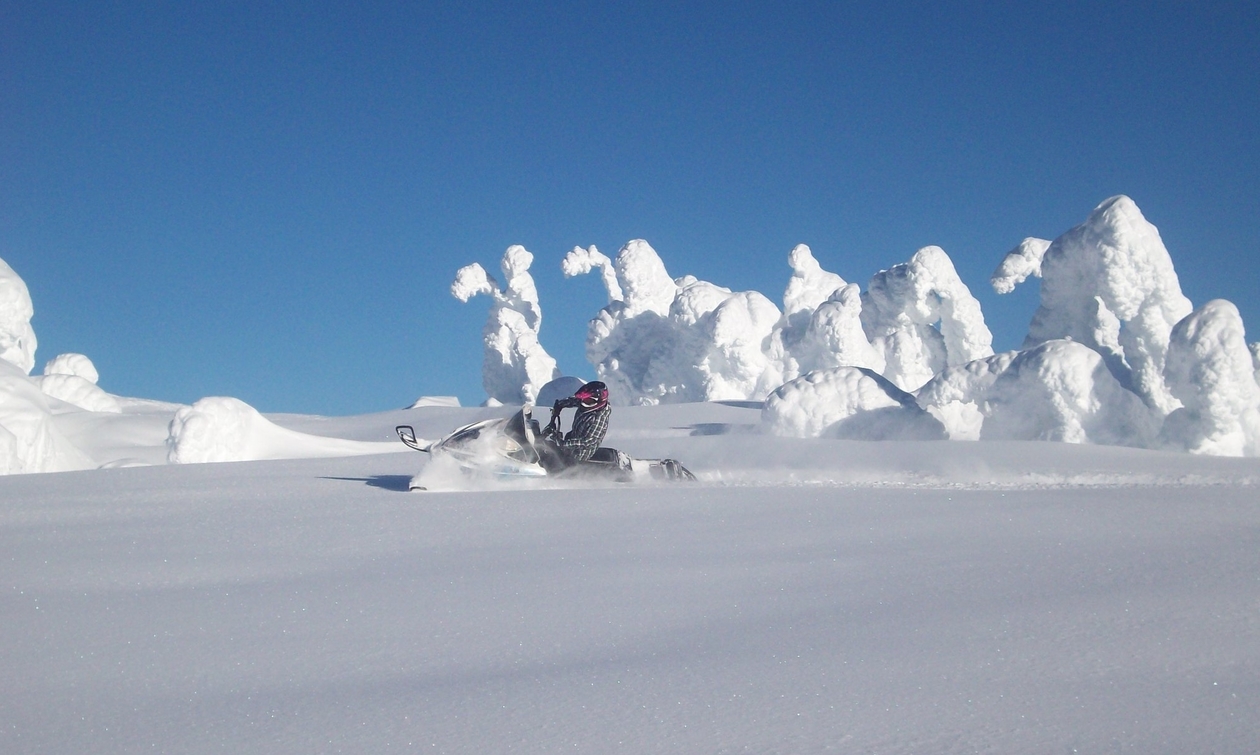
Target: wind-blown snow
{"points": [[581, 261], [1210, 370], [17, 338], [515, 365], [1018, 264], [79, 391], [72, 378]]}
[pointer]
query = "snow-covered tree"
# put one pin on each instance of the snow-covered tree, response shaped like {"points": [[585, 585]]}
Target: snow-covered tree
{"points": [[661, 340], [821, 326], [17, 338], [515, 365], [1109, 284], [1210, 369], [900, 308]]}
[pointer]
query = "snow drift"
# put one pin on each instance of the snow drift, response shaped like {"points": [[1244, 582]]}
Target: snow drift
{"points": [[1063, 391], [220, 428], [29, 438], [850, 403]]}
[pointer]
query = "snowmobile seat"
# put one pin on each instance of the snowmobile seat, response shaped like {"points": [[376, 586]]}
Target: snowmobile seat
{"points": [[606, 463]]}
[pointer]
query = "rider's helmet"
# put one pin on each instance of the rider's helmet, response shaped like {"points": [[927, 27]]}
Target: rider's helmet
{"points": [[593, 395]]}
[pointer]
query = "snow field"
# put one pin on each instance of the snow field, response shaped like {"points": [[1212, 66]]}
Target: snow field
{"points": [[312, 606]]}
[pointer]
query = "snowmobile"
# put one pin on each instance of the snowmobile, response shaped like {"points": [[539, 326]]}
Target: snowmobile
{"points": [[512, 447]]}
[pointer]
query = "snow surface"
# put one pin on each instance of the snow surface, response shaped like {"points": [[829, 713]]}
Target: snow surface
{"points": [[806, 596], [77, 365]]}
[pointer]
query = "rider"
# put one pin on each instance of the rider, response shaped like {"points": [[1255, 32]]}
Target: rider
{"points": [[590, 424]]}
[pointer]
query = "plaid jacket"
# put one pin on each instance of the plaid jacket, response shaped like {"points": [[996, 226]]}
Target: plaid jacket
{"points": [[588, 431]]}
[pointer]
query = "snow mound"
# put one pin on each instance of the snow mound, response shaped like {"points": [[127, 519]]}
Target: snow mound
{"points": [[1210, 369], [851, 403], [29, 438], [443, 401], [900, 308], [78, 391], [227, 429], [957, 395], [1063, 391], [72, 378], [73, 364], [17, 338], [515, 363], [1109, 284]]}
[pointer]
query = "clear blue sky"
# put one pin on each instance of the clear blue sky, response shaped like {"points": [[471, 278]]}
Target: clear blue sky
{"points": [[270, 200]]}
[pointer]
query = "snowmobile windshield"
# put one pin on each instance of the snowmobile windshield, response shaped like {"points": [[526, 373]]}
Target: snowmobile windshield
{"points": [[504, 437]]}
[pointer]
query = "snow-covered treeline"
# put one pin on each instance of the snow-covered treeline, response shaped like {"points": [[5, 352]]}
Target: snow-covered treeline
{"points": [[1115, 353]]}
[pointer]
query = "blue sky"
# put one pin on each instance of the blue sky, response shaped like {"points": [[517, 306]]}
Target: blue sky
{"points": [[270, 200]]}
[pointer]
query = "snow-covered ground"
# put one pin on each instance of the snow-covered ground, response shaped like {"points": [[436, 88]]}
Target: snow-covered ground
{"points": [[806, 595]]}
